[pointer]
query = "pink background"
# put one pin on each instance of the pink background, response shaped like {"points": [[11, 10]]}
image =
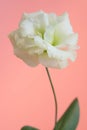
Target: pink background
{"points": [[25, 93]]}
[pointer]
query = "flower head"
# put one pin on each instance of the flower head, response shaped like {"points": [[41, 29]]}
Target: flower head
{"points": [[45, 39]]}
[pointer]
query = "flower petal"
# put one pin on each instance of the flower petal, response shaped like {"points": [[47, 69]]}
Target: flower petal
{"points": [[52, 62], [49, 34], [31, 60], [20, 41], [26, 28], [43, 20], [39, 46], [52, 19], [69, 41], [60, 54], [63, 27], [39, 42], [31, 16]]}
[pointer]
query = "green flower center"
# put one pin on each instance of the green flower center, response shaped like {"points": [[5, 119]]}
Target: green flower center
{"points": [[55, 41]]}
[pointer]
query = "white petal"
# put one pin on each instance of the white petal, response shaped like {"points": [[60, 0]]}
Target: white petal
{"points": [[31, 15], [43, 20], [52, 62], [38, 47], [39, 42], [49, 34], [31, 60], [26, 28], [12, 37], [60, 54], [52, 18], [20, 41], [70, 39], [63, 28]]}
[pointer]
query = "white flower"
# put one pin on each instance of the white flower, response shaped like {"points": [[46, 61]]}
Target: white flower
{"points": [[45, 39]]}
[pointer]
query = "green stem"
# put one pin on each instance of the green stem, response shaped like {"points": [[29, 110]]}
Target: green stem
{"points": [[54, 94]]}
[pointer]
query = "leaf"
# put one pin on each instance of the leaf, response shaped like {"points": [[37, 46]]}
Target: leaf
{"points": [[70, 118], [28, 128]]}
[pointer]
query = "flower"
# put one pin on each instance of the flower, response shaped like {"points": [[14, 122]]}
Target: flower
{"points": [[45, 39]]}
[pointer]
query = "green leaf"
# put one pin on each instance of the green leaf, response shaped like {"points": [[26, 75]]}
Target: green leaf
{"points": [[28, 128], [70, 118]]}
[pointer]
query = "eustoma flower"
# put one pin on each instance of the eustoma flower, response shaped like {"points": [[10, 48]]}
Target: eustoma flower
{"points": [[49, 40], [45, 39]]}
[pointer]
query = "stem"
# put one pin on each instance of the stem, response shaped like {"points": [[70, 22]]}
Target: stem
{"points": [[54, 94]]}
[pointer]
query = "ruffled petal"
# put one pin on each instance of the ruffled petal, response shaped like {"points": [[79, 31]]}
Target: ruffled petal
{"points": [[52, 19], [31, 16], [63, 27], [31, 60], [26, 28], [52, 62], [60, 54], [43, 20], [49, 34], [69, 42]]}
